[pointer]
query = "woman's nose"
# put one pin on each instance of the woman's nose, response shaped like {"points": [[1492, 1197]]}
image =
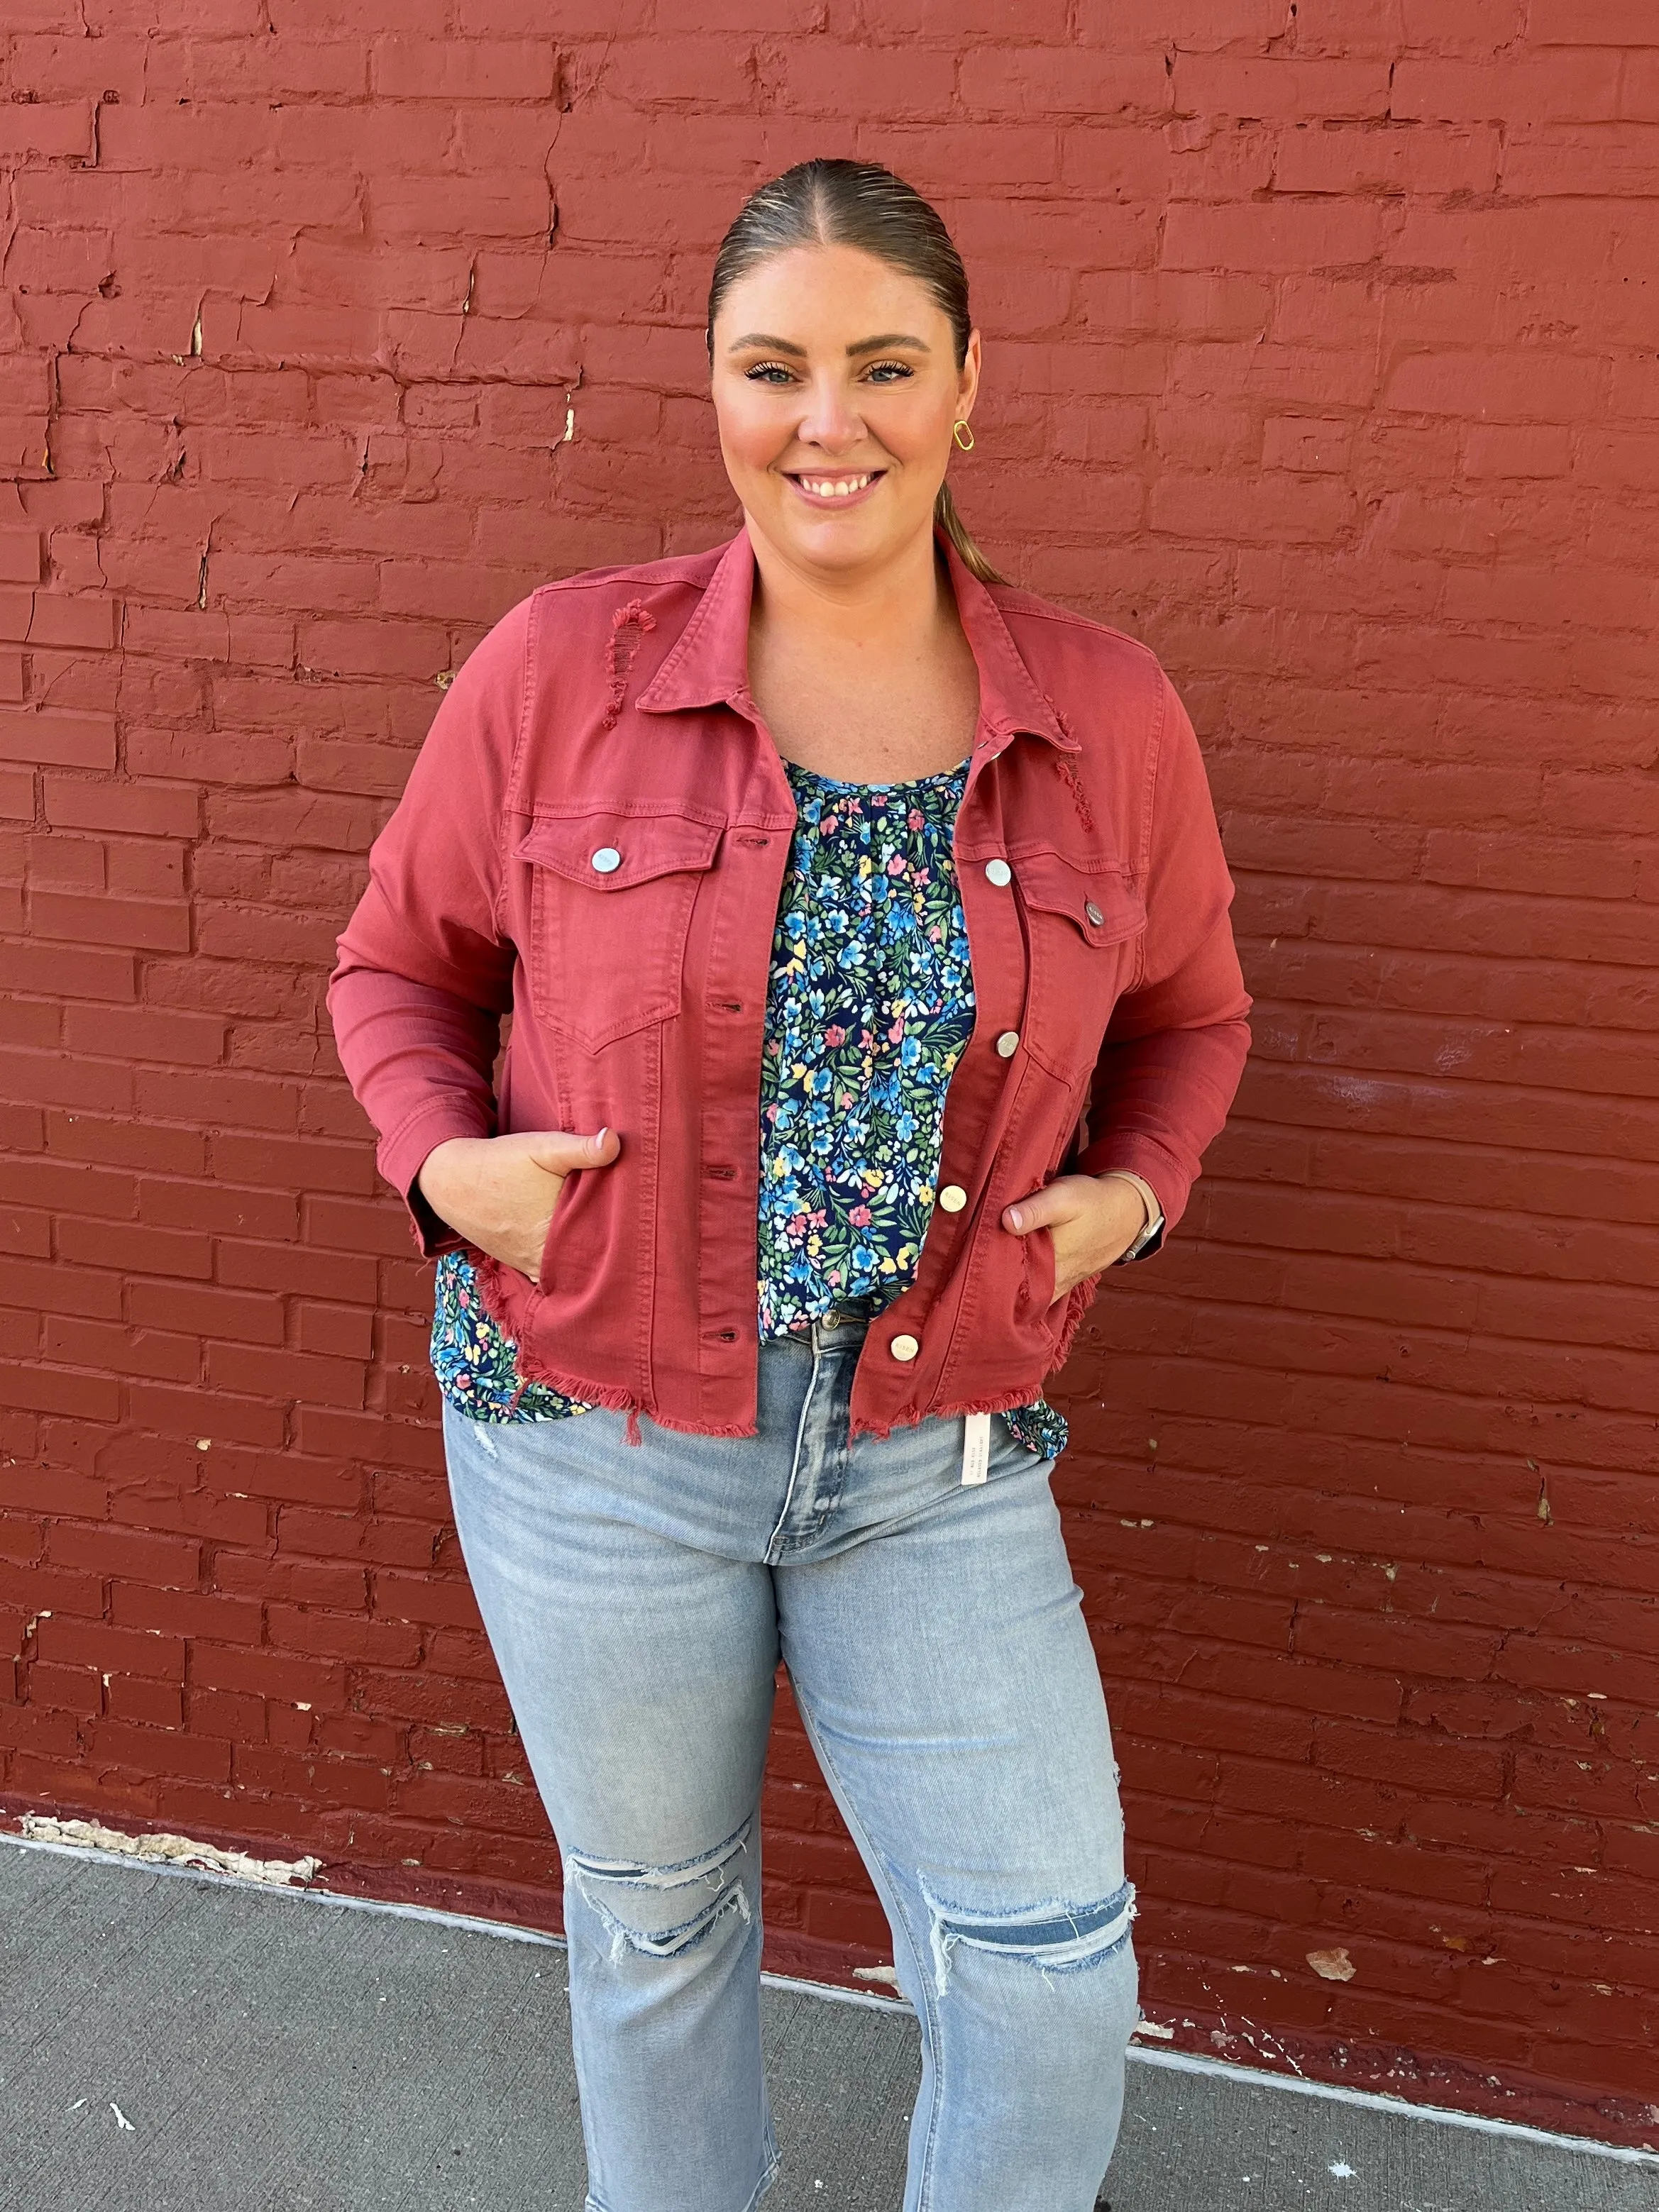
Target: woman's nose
{"points": [[830, 420]]}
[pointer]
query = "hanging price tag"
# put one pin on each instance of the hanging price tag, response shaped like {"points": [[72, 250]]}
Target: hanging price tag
{"points": [[977, 1448]]}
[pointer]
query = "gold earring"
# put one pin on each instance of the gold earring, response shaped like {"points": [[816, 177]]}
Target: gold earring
{"points": [[963, 436]]}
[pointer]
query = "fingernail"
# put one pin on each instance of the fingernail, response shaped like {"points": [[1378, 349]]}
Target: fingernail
{"points": [[599, 1140], [1016, 1219]]}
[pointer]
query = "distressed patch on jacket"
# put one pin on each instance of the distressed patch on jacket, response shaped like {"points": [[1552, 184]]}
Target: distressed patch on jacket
{"points": [[627, 628]]}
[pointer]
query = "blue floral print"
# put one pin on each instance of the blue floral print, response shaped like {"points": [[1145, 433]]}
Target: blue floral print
{"points": [[476, 1363], [869, 1005]]}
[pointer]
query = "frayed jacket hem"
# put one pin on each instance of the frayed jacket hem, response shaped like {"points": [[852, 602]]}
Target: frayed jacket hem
{"points": [[604, 1397]]}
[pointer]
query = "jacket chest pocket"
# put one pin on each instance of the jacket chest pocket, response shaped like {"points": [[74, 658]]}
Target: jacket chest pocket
{"points": [[1085, 928], [611, 902]]}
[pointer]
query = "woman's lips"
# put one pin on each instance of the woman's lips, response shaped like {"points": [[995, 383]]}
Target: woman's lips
{"points": [[834, 488]]}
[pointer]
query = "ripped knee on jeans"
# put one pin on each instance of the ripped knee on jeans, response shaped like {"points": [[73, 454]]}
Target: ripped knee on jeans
{"points": [[661, 1910], [1055, 1938]]}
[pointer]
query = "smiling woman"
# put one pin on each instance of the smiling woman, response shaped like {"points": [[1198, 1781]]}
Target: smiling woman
{"points": [[856, 206], [837, 448], [865, 928]]}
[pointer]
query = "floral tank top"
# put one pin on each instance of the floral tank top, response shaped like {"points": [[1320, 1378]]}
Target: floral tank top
{"points": [[869, 1005]]}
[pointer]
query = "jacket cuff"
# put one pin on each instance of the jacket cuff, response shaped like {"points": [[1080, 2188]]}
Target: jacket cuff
{"points": [[403, 1155]]}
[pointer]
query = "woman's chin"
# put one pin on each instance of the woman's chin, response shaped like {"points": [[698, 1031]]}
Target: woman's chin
{"points": [[839, 544]]}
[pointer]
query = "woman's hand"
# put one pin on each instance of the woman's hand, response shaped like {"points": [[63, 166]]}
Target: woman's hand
{"points": [[1094, 1220], [499, 1192]]}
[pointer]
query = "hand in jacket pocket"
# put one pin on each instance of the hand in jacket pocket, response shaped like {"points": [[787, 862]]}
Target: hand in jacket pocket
{"points": [[500, 1193], [1094, 1219]]}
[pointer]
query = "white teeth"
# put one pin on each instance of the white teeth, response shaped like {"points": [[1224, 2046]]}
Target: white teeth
{"points": [[830, 488]]}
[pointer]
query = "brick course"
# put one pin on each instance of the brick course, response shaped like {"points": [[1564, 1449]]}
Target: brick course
{"points": [[1320, 354]]}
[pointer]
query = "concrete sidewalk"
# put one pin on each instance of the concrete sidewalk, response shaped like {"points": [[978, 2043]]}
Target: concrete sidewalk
{"points": [[171, 2042]]}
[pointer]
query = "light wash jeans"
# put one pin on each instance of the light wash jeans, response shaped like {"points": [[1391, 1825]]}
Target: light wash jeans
{"points": [[638, 1599]]}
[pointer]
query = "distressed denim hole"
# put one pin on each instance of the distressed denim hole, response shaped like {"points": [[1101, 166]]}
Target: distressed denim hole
{"points": [[661, 1910], [1055, 1937], [477, 1433]]}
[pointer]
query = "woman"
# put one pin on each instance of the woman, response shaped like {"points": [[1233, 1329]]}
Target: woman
{"points": [[864, 925]]}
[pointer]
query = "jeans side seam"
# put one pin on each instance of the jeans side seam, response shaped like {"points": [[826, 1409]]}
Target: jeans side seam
{"points": [[888, 1888], [774, 2167]]}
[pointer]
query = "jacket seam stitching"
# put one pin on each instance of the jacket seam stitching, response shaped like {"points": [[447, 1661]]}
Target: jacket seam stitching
{"points": [[508, 810], [669, 573], [1044, 610], [1154, 765]]}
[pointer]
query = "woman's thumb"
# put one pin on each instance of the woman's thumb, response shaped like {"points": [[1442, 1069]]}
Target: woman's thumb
{"points": [[1037, 1212], [561, 1152]]}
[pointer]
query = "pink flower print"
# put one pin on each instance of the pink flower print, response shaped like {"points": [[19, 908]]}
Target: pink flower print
{"points": [[895, 1035], [896, 865], [859, 1217], [834, 1035], [914, 819]]}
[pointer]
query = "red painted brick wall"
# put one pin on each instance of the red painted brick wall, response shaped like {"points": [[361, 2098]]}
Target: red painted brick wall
{"points": [[1322, 354]]}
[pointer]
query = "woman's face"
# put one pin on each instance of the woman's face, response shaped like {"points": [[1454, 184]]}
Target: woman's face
{"points": [[835, 384]]}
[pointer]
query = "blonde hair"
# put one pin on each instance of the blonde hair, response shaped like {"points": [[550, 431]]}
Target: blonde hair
{"points": [[857, 204]]}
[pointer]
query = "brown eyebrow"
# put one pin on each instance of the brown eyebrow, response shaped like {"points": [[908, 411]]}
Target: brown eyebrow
{"points": [[768, 344], [885, 343]]}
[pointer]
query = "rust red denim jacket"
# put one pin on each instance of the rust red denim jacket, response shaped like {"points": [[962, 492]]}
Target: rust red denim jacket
{"points": [[593, 839]]}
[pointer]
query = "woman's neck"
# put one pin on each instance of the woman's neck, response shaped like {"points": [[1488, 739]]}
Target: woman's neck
{"points": [[878, 615], [868, 678]]}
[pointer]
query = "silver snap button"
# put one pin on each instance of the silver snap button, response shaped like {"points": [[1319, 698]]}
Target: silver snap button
{"points": [[1000, 873], [1008, 1043], [1094, 913], [904, 1348], [953, 1198], [606, 858]]}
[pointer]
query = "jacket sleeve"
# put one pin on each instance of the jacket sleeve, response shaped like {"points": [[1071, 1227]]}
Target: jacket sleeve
{"points": [[424, 974], [1175, 1046]]}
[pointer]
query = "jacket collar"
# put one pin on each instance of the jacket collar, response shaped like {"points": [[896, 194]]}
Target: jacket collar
{"points": [[709, 662]]}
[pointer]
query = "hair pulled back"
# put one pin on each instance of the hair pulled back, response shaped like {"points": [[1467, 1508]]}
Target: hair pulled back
{"points": [[860, 204]]}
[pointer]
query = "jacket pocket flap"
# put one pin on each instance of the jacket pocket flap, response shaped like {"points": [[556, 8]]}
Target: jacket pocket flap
{"points": [[1105, 907], [609, 852]]}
